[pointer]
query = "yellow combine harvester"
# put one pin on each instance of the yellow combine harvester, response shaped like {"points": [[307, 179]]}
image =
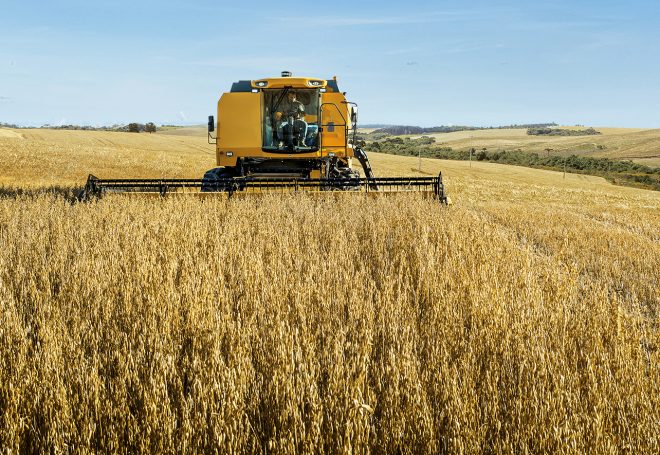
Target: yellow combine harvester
{"points": [[281, 134]]}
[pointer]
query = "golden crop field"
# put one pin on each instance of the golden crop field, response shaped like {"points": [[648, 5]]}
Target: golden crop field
{"points": [[523, 318]]}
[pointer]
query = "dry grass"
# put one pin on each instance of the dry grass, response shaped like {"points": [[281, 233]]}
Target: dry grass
{"points": [[522, 319], [56, 157], [7, 133], [198, 131]]}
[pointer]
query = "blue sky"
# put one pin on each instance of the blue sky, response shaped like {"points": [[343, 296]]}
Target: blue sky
{"points": [[415, 62]]}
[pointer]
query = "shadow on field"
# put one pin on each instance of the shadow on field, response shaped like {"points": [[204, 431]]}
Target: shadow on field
{"points": [[69, 193]]}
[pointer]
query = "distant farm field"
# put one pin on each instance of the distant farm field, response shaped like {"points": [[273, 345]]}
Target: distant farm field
{"points": [[639, 145], [59, 157], [523, 318]]}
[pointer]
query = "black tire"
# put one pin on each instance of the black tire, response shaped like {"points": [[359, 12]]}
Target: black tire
{"points": [[215, 180]]}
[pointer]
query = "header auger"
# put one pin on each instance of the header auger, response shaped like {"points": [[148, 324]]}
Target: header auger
{"points": [[284, 134]]}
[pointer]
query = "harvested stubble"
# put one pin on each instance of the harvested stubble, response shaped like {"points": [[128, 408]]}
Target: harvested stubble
{"points": [[297, 324]]}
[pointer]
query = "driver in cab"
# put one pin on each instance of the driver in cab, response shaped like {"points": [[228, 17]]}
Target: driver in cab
{"points": [[291, 108]]}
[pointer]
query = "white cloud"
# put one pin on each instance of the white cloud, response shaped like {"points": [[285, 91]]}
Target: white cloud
{"points": [[182, 116]]}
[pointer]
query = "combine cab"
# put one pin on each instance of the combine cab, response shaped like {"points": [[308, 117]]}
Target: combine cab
{"points": [[284, 134]]}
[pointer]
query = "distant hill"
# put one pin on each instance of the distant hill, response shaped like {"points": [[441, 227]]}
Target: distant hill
{"points": [[399, 130], [375, 125], [637, 144]]}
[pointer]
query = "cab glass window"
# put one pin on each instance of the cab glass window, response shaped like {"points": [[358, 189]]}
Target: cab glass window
{"points": [[291, 119]]}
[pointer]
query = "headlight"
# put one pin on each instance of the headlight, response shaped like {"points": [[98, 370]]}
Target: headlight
{"points": [[261, 83], [230, 153], [315, 83]]}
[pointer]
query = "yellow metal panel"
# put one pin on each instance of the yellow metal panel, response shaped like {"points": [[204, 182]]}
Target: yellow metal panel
{"points": [[295, 82], [334, 116], [226, 161], [239, 124]]}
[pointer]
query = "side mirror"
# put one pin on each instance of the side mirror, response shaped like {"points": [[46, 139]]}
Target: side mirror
{"points": [[211, 124], [354, 115]]}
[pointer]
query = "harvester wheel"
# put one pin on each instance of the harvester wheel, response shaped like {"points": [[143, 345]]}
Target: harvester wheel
{"points": [[349, 179], [342, 178], [213, 180]]}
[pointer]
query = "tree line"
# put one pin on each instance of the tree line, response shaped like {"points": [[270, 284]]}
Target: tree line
{"points": [[149, 127], [561, 132]]}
